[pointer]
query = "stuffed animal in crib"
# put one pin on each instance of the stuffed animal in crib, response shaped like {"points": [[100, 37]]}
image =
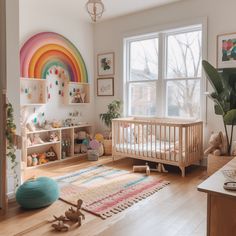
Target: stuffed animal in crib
{"points": [[217, 144]]}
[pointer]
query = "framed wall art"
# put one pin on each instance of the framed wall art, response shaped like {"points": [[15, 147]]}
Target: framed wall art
{"points": [[226, 50], [105, 87], [106, 64]]}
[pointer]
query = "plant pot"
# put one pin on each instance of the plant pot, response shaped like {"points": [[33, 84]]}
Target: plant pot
{"points": [[107, 143], [214, 163]]}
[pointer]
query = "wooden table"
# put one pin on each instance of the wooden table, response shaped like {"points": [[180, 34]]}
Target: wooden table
{"points": [[221, 204]]}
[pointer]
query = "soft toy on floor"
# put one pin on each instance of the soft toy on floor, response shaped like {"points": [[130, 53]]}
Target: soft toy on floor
{"points": [[217, 144]]}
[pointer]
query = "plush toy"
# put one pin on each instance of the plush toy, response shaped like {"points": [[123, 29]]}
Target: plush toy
{"points": [[34, 159], [42, 158], [51, 154], [217, 144], [37, 139], [29, 160], [53, 137]]}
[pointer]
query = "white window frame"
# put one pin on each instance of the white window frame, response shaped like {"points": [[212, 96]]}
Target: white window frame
{"points": [[162, 60]]}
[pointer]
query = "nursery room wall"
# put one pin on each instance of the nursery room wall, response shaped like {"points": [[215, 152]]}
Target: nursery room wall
{"points": [[56, 16], [13, 84], [109, 38], [28, 17]]}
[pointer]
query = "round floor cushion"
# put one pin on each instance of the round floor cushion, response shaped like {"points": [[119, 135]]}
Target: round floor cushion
{"points": [[37, 193]]}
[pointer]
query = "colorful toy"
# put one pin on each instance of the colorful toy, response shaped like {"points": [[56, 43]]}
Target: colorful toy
{"points": [[94, 144], [51, 154], [34, 159], [99, 137], [42, 158]]}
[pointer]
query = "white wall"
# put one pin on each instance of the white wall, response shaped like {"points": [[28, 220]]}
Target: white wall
{"points": [[109, 35], [38, 16], [13, 73], [28, 17]]}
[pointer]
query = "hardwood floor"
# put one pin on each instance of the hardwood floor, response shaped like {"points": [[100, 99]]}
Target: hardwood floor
{"points": [[176, 210]]}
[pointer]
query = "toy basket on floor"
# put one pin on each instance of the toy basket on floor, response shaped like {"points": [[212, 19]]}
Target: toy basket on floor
{"points": [[93, 155]]}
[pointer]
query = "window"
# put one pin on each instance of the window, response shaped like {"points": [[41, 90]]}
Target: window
{"points": [[163, 74]]}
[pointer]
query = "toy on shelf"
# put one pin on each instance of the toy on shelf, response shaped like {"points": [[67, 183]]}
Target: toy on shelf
{"points": [[78, 96], [30, 126], [34, 159], [42, 158], [53, 137], [56, 124], [37, 140], [51, 154], [29, 160]]}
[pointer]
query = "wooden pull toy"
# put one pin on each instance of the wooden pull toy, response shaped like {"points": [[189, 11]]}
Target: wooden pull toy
{"points": [[144, 168]]}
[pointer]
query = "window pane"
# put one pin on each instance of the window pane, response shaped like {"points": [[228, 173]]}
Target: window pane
{"points": [[144, 60], [142, 99], [183, 98], [184, 55]]}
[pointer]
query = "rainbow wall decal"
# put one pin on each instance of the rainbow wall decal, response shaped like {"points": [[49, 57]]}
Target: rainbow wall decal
{"points": [[47, 49]]}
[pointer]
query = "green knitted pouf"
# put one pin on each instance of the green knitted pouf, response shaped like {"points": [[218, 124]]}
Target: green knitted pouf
{"points": [[37, 193]]}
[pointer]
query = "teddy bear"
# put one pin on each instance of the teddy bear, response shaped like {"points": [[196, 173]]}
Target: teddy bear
{"points": [[217, 144]]}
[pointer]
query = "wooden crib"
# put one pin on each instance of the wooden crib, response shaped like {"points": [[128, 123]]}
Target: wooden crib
{"points": [[167, 141]]}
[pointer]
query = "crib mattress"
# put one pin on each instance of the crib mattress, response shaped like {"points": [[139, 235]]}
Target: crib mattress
{"points": [[162, 150]]}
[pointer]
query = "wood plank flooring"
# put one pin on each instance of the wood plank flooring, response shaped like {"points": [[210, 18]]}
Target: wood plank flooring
{"points": [[176, 210]]}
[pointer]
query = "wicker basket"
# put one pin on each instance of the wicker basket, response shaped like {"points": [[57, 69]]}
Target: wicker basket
{"points": [[107, 143]]}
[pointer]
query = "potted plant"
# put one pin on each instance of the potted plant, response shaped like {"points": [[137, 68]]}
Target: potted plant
{"points": [[112, 113], [224, 97]]}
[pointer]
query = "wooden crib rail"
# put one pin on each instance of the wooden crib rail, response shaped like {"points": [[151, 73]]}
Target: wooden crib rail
{"points": [[164, 141]]}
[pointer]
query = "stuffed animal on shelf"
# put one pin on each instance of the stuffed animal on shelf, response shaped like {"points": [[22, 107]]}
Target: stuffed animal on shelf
{"points": [[42, 158], [51, 154], [34, 159], [37, 139], [29, 160], [217, 144], [56, 124], [53, 137]]}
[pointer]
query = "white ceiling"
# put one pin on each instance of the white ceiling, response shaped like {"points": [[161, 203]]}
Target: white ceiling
{"points": [[76, 8], [113, 8]]}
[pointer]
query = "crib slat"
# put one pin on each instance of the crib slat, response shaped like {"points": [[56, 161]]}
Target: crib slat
{"points": [[160, 141]]}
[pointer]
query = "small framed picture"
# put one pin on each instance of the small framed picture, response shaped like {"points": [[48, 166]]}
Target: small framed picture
{"points": [[105, 87], [226, 50], [106, 64]]}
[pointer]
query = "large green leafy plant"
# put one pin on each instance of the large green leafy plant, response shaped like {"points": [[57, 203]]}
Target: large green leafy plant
{"points": [[224, 97], [112, 113]]}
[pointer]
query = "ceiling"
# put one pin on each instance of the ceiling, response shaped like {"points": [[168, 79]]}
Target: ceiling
{"points": [[76, 8], [113, 8]]}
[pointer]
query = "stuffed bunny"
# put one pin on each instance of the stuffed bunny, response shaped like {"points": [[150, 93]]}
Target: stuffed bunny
{"points": [[217, 144]]}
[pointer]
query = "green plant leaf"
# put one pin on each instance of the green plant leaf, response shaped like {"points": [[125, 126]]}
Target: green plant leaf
{"points": [[230, 117], [213, 77]]}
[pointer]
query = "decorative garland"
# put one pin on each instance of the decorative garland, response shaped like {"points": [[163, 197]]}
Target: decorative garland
{"points": [[10, 136]]}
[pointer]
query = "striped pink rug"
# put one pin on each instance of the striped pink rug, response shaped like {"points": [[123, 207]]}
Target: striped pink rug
{"points": [[106, 191]]}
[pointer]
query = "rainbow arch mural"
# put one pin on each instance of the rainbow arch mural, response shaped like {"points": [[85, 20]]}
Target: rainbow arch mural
{"points": [[47, 49]]}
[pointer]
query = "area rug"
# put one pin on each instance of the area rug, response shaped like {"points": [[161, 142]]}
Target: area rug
{"points": [[106, 191]]}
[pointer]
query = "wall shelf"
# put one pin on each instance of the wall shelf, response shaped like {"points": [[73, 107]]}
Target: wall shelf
{"points": [[33, 92]]}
